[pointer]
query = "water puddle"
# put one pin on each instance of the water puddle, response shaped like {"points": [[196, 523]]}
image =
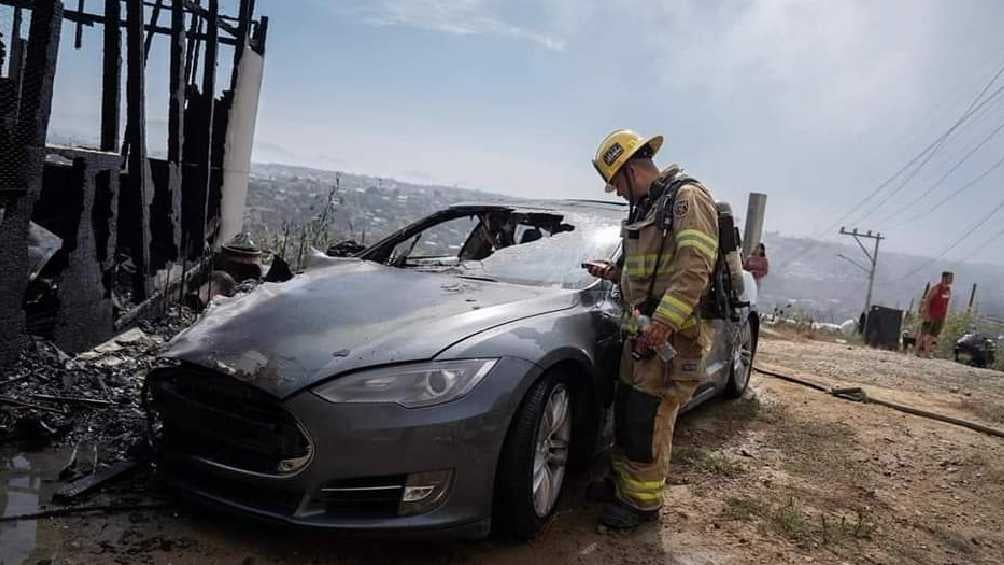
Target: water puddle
{"points": [[27, 482]]}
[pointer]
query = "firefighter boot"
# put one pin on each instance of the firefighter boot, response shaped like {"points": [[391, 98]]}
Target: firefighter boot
{"points": [[620, 517]]}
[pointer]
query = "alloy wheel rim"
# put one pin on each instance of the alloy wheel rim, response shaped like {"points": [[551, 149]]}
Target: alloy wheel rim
{"points": [[743, 356], [551, 451]]}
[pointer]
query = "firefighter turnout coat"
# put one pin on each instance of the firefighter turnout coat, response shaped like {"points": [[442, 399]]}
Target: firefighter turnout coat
{"points": [[651, 392]]}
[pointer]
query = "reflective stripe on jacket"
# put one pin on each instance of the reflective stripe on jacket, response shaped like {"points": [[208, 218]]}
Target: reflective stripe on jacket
{"points": [[688, 257]]}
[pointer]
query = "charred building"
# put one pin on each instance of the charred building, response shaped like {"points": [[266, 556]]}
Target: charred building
{"points": [[94, 238]]}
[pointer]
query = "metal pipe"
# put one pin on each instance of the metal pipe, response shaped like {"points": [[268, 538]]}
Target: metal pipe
{"points": [[755, 211]]}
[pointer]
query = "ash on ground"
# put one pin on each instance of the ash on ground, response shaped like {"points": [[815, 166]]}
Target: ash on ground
{"points": [[91, 402]]}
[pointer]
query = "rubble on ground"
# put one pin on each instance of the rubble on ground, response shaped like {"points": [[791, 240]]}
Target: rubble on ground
{"points": [[90, 402]]}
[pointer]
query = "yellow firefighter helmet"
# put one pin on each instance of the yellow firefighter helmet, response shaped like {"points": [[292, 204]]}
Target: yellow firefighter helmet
{"points": [[617, 148]]}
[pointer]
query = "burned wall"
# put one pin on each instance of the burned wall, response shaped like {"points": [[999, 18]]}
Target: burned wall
{"points": [[25, 107], [16, 212], [77, 206], [125, 221]]}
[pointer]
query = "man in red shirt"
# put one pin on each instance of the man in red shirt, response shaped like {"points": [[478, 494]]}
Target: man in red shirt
{"points": [[933, 311]]}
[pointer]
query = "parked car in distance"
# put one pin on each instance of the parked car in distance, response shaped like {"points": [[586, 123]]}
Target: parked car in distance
{"points": [[976, 349], [443, 380]]}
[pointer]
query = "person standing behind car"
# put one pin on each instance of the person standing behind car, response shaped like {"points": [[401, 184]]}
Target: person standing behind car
{"points": [[933, 311], [756, 264], [670, 246]]}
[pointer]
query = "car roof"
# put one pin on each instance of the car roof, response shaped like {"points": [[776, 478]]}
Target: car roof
{"points": [[533, 204]]}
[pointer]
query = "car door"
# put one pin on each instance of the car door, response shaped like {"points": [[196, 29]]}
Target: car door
{"points": [[719, 361], [609, 342]]}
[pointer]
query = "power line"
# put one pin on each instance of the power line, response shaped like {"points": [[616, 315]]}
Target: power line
{"points": [[996, 76], [974, 106], [934, 186], [979, 248], [957, 192], [942, 141], [956, 243]]}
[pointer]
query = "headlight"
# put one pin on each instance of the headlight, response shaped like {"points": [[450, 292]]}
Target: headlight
{"points": [[411, 386]]}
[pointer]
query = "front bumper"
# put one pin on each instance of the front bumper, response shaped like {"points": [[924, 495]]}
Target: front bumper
{"points": [[370, 448]]}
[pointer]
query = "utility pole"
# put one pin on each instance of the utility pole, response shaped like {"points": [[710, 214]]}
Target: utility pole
{"points": [[972, 298], [872, 259]]}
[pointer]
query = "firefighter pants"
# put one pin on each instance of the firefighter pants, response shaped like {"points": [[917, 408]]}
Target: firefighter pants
{"points": [[649, 396]]}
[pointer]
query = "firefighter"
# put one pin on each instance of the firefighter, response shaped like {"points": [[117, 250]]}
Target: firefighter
{"points": [[670, 247]]}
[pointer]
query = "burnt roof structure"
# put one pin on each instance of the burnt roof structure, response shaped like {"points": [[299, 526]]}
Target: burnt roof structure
{"points": [[133, 228]]}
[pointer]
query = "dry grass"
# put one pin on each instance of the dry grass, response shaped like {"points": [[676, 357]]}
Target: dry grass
{"points": [[749, 407], [979, 468], [985, 409], [791, 520], [293, 242], [731, 416], [812, 445], [742, 509], [957, 542], [709, 463], [857, 526]]}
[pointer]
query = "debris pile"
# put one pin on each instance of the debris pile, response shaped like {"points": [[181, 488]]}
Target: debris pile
{"points": [[91, 402]]}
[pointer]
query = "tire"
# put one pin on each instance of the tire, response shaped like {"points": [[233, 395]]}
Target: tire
{"points": [[743, 351], [521, 511]]}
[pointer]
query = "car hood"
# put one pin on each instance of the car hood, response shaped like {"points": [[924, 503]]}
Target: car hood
{"points": [[285, 336]]}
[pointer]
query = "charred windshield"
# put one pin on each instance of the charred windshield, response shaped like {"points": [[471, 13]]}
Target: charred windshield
{"points": [[555, 258], [543, 248]]}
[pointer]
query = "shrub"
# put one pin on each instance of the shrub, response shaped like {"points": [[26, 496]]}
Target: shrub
{"points": [[956, 325]]}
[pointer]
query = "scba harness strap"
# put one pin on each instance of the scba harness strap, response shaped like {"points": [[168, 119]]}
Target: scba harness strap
{"points": [[721, 298], [665, 201]]}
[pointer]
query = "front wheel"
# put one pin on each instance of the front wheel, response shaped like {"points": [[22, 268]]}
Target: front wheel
{"points": [[534, 459], [743, 349]]}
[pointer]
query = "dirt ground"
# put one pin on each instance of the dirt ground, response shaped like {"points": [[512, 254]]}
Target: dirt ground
{"points": [[785, 475]]}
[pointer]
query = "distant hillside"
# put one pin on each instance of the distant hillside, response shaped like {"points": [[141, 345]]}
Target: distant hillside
{"points": [[818, 283], [830, 287], [363, 208]]}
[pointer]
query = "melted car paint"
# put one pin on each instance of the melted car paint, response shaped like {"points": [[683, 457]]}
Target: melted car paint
{"points": [[281, 337]]}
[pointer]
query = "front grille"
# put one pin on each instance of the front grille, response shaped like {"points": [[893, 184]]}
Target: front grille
{"points": [[258, 497], [370, 497], [226, 422]]}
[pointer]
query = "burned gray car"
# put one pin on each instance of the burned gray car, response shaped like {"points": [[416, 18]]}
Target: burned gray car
{"points": [[441, 381]]}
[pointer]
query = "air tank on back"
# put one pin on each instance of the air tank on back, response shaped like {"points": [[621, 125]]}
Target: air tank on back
{"points": [[728, 244]]}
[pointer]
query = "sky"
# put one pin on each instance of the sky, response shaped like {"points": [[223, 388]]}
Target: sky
{"points": [[813, 103]]}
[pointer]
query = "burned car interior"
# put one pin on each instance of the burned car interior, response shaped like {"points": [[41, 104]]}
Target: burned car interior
{"points": [[518, 245], [467, 235]]}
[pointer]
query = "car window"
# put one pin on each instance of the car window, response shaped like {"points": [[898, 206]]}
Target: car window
{"points": [[441, 240], [554, 259]]}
